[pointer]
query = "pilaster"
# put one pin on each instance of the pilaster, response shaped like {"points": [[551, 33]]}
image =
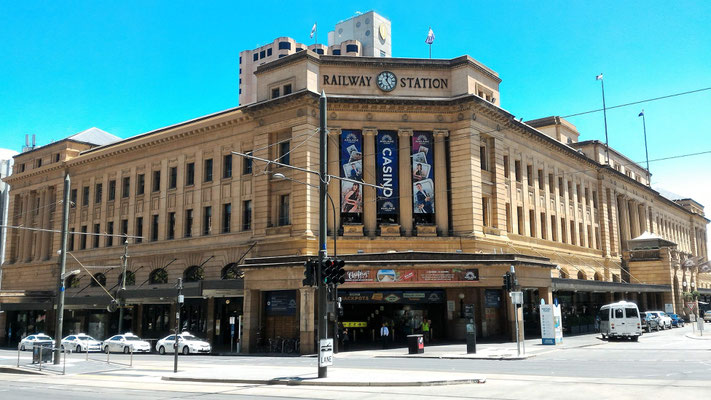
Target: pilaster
{"points": [[441, 207], [369, 176], [405, 172]]}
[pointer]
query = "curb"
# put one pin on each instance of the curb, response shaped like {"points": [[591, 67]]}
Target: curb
{"points": [[295, 381], [691, 336], [20, 371], [444, 357]]}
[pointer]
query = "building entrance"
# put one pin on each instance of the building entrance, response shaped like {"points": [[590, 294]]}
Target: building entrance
{"points": [[226, 308], [403, 311]]}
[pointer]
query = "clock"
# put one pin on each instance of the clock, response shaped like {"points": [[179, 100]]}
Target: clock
{"points": [[386, 81]]}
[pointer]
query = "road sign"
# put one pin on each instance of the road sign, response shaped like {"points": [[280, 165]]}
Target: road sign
{"points": [[232, 320], [516, 297], [325, 353], [690, 305]]}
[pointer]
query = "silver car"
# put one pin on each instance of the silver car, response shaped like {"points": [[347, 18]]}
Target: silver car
{"points": [[124, 343], [39, 339]]}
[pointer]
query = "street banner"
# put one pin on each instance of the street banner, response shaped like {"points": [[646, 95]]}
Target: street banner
{"points": [[387, 172], [392, 296], [423, 172], [351, 164], [413, 275]]}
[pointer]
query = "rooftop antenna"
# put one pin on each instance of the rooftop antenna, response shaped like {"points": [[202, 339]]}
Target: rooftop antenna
{"points": [[33, 140]]}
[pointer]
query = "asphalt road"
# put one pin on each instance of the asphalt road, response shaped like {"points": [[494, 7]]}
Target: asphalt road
{"points": [[663, 363]]}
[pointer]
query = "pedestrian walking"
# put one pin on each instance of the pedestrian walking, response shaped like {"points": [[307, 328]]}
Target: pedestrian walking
{"points": [[345, 339], [384, 334], [425, 326]]}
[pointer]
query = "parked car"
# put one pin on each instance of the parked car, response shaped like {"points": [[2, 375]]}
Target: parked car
{"points": [[81, 342], [677, 320], [123, 343], [650, 322], [38, 339], [665, 321], [187, 344], [707, 316], [620, 319]]}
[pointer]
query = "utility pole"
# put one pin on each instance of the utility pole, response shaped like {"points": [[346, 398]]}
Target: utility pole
{"points": [[178, 304], [122, 291], [62, 268], [322, 193]]}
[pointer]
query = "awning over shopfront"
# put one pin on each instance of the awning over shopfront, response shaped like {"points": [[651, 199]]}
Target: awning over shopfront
{"points": [[16, 300], [562, 284]]}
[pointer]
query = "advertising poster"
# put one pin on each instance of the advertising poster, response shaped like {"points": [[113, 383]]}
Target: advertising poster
{"points": [[551, 328], [423, 172], [392, 296], [413, 275], [352, 168], [282, 302], [387, 172]]}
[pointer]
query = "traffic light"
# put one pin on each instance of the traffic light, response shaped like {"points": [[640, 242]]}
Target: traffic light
{"points": [[310, 272], [339, 273], [508, 282], [327, 271]]}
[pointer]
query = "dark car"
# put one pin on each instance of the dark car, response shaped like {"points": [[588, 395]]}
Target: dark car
{"points": [[677, 320], [649, 322]]}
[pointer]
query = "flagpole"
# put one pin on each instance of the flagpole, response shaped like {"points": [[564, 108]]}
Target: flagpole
{"points": [[604, 113], [646, 153], [430, 50]]}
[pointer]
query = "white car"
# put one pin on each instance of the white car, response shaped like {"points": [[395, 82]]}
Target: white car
{"points": [[38, 339], [187, 344], [665, 321], [81, 342], [123, 343]]}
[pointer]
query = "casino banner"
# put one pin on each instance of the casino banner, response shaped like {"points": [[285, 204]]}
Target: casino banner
{"points": [[423, 172], [351, 167], [387, 172], [413, 275], [392, 296]]}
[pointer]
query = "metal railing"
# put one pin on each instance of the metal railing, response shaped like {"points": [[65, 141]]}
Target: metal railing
{"points": [[130, 360], [43, 349]]}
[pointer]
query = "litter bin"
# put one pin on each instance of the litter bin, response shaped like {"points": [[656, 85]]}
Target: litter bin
{"points": [[415, 344], [46, 354]]}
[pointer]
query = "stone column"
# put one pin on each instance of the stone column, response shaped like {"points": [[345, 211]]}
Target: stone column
{"points": [[307, 320], [634, 218], [211, 320], [370, 205], [27, 234], [405, 172], [440, 179], [334, 165], [252, 304], [624, 222], [44, 224]]}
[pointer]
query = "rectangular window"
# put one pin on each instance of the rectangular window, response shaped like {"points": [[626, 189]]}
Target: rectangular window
{"points": [[284, 148], [517, 170], [551, 184], [247, 215], [207, 220], [287, 89], [482, 158], [110, 231], [82, 239], [156, 181], [508, 217], [124, 227], [541, 181], [227, 166], [139, 229], [563, 231], [560, 187], [255, 57], [173, 183], [98, 189], [544, 228], [171, 226], [532, 222], [74, 197], [570, 190], [126, 186], [485, 211], [269, 52], [85, 196], [519, 217], [70, 245], [284, 210], [56, 157], [284, 46], [208, 170], [275, 93], [141, 184], [594, 197], [573, 240], [506, 167], [226, 217], [529, 174], [554, 231], [262, 54], [39, 162], [190, 174], [154, 228], [112, 190], [587, 196], [188, 223], [97, 231], [247, 164]]}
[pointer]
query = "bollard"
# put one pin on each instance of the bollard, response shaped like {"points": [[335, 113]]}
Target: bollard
{"points": [[131, 359], [64, 367], [40, 360], [87, 352], [18, 355], [108, 353]]}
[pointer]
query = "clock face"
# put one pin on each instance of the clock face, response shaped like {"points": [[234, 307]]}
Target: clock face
{"points": [[386, 81]]}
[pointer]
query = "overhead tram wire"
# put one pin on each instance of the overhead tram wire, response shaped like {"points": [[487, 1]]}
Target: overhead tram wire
{"points": [[638, 102]]}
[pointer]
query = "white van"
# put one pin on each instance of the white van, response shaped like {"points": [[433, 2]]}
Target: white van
{"points": [[620, 319]]}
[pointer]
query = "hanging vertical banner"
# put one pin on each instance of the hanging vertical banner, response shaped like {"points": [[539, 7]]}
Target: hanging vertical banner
{"points": [[387, 172], [352, 168], [422, 172]]}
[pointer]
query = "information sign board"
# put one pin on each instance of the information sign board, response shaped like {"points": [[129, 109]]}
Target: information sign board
{"points": [[325, 353]]}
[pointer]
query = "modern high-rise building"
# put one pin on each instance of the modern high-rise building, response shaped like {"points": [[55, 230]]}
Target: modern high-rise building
{"points": [[363, 35], [371, 29]]}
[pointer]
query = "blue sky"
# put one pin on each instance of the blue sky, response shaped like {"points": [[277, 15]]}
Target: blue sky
{"points": [[133, 66]]}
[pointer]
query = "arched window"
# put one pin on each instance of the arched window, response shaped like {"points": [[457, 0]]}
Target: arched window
{"points": [[230, 271], [598, 276], [72, 281], [564, 273], [130, 278], [581, 275], [158, 275], [101, 278], [193, 274]]}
